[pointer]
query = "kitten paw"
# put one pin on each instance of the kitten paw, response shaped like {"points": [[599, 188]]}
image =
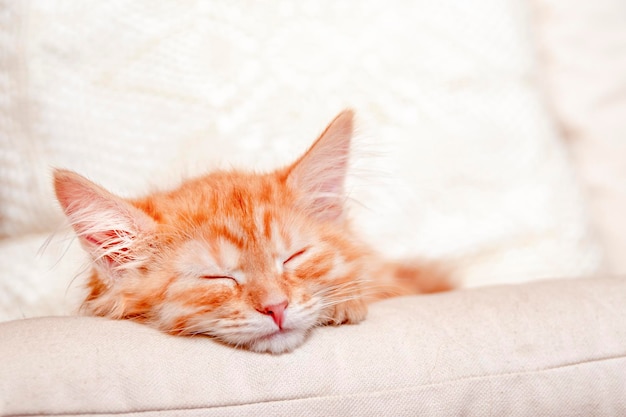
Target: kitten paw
{"points": [[348, 312]]}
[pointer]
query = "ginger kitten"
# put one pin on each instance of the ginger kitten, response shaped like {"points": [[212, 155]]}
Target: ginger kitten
{"points": [[253, 260]]}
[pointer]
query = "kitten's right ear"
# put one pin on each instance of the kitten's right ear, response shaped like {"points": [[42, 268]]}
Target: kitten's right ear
{"points": [[108, 227], [320, 173]]}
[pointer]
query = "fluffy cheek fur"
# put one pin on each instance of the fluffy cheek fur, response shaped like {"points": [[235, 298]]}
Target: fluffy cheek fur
{"points": [[321, 290], [324, 285], [235, 323]]}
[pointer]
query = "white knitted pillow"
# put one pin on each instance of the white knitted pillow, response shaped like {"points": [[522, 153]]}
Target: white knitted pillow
{"points": [[137, 95]]}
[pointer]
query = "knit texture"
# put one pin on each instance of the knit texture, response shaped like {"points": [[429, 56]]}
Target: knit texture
{"points": [[457, 159]]}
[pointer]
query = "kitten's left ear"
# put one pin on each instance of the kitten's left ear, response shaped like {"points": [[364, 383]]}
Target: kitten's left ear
{"points": [[319, 175], [109, 227]]}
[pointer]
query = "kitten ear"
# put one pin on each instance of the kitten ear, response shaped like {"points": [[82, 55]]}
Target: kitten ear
{"points": [[108, 227], [319, 175]]}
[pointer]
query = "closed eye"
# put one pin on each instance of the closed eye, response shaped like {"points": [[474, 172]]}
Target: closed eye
{"points": [[218, 277], [294, 256]]}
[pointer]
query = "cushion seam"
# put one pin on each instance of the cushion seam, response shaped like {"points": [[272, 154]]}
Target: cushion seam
{"points": [[353, 394]]}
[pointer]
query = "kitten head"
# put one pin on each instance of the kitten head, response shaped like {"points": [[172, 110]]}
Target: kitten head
{"points": [[254, 260]]}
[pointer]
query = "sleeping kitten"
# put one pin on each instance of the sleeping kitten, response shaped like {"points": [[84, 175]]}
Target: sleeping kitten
{"points": [[253, 260]]}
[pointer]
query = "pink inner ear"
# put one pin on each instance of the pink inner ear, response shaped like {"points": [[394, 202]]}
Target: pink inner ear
{"points": [[107, 225], [112, 244], [319, 175]]}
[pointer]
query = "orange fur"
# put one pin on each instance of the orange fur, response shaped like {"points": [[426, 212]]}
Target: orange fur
{"points": [[254, 260]]}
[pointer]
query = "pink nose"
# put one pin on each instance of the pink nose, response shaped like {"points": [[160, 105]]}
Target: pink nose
{"points": [[276, 312]]}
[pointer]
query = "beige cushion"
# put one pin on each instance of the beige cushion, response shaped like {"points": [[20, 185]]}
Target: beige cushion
{"points": [[548, 348]]}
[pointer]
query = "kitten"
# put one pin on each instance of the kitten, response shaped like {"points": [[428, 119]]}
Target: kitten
{"points": [[253, 260]]}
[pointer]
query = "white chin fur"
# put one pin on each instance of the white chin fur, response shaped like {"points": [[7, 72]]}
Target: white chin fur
{"points": [[278, 343]]}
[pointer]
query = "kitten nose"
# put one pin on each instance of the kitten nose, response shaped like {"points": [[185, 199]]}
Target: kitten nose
{"points": [[276, 312]]}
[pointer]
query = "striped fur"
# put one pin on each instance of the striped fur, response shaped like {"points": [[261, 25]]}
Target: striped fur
{"points": [[253, 260]]}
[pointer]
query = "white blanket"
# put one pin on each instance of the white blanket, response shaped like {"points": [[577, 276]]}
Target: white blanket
{"points": [[457, 158]]}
